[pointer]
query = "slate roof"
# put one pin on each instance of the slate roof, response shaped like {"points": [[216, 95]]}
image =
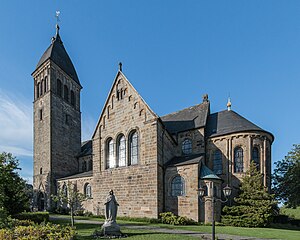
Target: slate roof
{"points": [[185, 160], [186, 119], [78, 175], [58, 54], [86, 148], [206, 173], [227, 122]]}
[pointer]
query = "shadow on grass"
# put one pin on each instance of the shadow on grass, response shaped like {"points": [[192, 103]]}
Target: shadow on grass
{"points": [[286, 226]]}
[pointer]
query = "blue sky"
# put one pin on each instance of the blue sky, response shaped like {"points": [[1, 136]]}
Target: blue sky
{"points": [[173, 52]]}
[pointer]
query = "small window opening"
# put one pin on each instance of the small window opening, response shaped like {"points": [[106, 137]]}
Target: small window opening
{"points": [[41, 114]]}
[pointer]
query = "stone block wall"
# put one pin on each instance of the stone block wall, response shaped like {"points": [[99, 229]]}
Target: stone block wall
{"points": [[186, 205]]}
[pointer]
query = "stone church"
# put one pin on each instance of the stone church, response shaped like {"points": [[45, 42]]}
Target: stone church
{"points": [[153, 163]]}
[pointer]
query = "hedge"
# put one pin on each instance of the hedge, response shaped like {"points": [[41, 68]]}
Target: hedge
{"points": [[37, 217]]}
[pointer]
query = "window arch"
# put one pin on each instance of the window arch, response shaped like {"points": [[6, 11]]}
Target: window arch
{"points": [[256, 157], [110, 158], [238, 160], [178, 186], [66, 93], [88, 190], [58, 87], [187, 146], [133, 146], [121, 151], [218, 166]]}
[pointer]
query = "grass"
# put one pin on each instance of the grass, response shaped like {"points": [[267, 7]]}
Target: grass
{"points": [[291, 212], [85, 231]]}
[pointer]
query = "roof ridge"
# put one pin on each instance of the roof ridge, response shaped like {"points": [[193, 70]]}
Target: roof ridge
{"points": [[172, 113]]}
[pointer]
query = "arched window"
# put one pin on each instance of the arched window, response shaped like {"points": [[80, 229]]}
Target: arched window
{"points": [[238, 160], [38, 90], [72, 98], [45, 84], [187, 146], [88, 190], [178, 186], [110, 158], [133, 146], [255, 157], [218, 167], [41, 170], [58, 87], [84, 166], [121, 151], [66, 93], [41, 87]]}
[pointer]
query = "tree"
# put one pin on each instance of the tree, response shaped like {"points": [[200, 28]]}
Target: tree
{"points": [[254, 205], [13, 195], [69, 196], [286, 178]]}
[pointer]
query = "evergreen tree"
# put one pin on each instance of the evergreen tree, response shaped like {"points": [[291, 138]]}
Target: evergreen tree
{"points": [[286, 178], [254, 206], [13, 194]]}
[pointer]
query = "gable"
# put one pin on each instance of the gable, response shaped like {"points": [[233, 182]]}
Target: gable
{"points": [[123, 95]]}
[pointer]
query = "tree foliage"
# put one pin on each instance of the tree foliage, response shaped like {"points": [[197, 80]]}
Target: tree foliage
{"points": [[68, 196], [286, 178], [254, 206], [13, 191]]}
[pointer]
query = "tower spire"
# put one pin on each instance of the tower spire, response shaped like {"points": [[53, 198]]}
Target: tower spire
{"points": [[57, 13], [229, 104]]}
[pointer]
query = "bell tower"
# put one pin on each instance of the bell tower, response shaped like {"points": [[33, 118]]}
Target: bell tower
{"points": [[56, 120]]}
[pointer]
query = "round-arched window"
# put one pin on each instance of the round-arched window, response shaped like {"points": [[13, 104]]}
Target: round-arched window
{"points": [[178, 186], [88, 190], [187, 146]]}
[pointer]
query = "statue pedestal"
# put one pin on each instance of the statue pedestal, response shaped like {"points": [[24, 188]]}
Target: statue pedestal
{"points": [[111, 229]]}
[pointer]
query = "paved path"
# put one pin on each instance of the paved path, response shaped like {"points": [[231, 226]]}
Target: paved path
{"points": [[165, 230]]}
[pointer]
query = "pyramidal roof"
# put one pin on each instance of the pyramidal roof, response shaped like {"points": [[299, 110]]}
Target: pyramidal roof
{"points": [[58, 54]]}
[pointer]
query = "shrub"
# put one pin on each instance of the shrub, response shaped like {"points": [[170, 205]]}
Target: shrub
{"points": [[48, 231], [37, 217], [87, 214], [170, 218]]}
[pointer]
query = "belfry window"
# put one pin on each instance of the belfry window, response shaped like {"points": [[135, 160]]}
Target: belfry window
{"points": [[217, 162], [178, 186], [133, 148], [72, 98], [58, 88], [45, 84], [238, 160], [66, 93], [38, 90], [121, 151], [255, 157], [187, 146], [84, 166], [110, 158]]}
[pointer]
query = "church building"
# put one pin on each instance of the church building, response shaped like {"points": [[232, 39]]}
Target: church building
{"points": [[153, 163]]}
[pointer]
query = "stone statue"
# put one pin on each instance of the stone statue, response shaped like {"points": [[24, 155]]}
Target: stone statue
{"points": [[110, 226], [111, 207]]}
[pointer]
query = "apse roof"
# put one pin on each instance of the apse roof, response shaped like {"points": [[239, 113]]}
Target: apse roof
{"points": [[226, 122]]}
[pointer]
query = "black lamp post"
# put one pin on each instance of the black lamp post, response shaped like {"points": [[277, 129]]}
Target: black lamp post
{"points": [[213, 199]]}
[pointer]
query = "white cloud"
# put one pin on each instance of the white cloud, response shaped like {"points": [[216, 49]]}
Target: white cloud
{"points": [[15, 124]]}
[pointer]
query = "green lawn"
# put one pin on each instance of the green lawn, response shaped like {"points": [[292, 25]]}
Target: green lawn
{"points": [[85, 231]]}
